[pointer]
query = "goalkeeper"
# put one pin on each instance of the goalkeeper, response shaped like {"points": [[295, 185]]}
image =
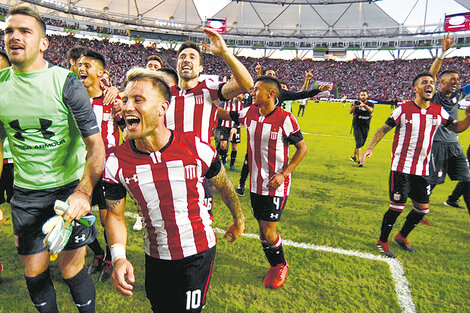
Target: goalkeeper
{"points": [[46, 115]]}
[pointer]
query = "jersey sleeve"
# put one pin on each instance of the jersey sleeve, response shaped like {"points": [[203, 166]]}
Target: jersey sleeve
{"points": [[215, 90], [242, 116], [394, 118], [446, 119], [76, 98], [291, 129], [205, 153], [113, 188]]}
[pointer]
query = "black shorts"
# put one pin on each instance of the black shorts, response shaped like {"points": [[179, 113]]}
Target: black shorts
{"points": [[97, 197], [267, 208], [179, 285], [448, 158], [224, 134], [30, 209], [402, 186], [361, 130]]}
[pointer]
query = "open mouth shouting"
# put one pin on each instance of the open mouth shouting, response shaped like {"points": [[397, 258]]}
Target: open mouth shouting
{"points": [[132, 122]]}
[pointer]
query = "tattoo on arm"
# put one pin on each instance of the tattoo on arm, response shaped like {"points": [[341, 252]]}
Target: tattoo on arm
{"points": [[227, 192]]}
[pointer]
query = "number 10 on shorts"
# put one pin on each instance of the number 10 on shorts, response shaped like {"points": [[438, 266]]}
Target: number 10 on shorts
{"points": [[193, 299]]}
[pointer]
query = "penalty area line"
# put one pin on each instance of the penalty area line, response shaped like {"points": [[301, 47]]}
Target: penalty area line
{"points": [[402, 286]]}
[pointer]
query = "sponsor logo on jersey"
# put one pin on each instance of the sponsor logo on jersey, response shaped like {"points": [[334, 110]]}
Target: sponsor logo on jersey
{"points": [[134, 178], [44, 125]]}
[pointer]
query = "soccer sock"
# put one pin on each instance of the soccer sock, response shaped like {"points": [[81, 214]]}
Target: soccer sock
{"points": [[108, 252], [233, 157], [388, 221], [42, 292], [82, 289], [274, 253], [96, 247], [223, 156], [457, 192], [412, 220], [466, 193], [244, 173]]}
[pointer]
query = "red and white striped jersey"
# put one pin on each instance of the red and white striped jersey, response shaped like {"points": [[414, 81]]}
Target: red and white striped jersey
{"points": [[268, 147], [194, 109], [414, 135], [167, 186], [108, 127], [234, 104]]}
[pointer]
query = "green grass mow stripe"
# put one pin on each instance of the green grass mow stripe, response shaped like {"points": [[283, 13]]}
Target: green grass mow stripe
{"points": [[396, 269]]}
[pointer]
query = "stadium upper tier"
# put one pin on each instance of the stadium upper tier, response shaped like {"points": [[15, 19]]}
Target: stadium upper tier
{"points": [[332, 26], [385, 80]]}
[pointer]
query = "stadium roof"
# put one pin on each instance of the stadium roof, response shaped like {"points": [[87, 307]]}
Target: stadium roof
{"points": [[278, 18], [326, 26]]}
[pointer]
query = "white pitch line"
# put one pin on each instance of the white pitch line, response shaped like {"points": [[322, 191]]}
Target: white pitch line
{"points": [[402, 285]]}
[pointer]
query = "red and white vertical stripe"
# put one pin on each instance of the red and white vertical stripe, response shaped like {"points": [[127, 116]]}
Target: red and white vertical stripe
{"points": [[168, 189], [108, 127], [268, 149], [413, 138], [194, 110], [234, 104]]}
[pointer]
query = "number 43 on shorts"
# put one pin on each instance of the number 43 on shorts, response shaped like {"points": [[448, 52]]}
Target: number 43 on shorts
{"points": [[193, 299]]}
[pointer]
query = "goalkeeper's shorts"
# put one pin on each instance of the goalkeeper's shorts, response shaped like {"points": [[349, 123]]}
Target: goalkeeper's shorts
{"points": [[32, 208]]}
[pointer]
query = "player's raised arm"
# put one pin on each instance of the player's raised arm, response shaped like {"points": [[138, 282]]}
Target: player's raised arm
{"points": [[242, 80], [447, 43]]}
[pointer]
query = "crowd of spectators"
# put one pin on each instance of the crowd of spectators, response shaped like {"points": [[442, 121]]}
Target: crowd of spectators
{"points": [[385, 80]]}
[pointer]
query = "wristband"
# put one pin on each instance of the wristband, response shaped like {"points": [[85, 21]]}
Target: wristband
{"points": [[442, 55], [82, 191], [118, 251]]}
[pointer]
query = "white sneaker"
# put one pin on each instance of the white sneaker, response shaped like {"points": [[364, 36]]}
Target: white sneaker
{"points": [[139, 221]]}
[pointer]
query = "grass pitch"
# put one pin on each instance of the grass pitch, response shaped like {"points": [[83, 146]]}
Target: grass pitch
{"points": [[332, 203]]}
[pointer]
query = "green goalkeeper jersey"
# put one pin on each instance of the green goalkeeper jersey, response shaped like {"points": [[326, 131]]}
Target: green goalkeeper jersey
{"points": [[45, 114]]}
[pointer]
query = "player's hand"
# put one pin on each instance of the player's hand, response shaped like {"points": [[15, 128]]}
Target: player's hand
{"points": [[258, 69], [276, 180], [3, 219], [467, 111], [309, 75], [217, 43], [367, 154], [110, 94], [121, 269], [447, 42], [233, 131], [79, 206], [325, 87], [235, 230]]}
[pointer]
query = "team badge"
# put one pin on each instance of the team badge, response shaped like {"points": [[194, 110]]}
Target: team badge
{"points": [[190, 171]]}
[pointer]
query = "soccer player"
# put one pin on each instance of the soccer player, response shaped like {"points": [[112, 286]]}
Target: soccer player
{"points": [[284, 95], [48, 127], [73, 55], [195, 105], [447, 155], [416, 123], [91, 72], [270, 131], [362, 113], [228, 131], [163, 171], [154, 63]]}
